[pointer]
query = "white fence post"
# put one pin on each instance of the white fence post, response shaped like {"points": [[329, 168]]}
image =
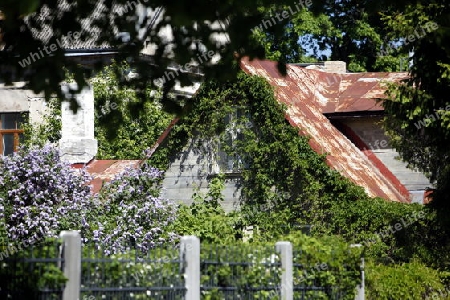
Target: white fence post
{"points": [[287, 281], [360, 289], [72, 264], [190, 255]]}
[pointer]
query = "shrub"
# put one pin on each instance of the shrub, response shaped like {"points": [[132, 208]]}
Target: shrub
{"points": [[21, 278], [40, 194], [205, 217], [406, 281], [339, 270], [132, 213]]}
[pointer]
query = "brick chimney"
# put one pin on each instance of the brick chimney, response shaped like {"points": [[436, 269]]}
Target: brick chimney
{"points": [[77, 143]]}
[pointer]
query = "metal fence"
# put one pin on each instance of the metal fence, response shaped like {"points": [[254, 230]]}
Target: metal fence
{"points": [[215, 272], [31, 273], [236, 272], [311, 277], [154, 275]]}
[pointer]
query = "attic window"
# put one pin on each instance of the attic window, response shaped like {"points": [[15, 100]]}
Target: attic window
{"points": [[229, 161], [11, 132]]}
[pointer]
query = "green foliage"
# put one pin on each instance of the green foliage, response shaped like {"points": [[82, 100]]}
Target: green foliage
{"points": [[288, 185], [205, 217], [284, 172], [125, 125], [47, 131], [242, 266], [28, 279], [159, 267], [336, 30], [325, 261], [417, 110], [406, 281]]}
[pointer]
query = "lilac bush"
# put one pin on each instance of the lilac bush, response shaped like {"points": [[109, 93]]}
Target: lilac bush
{"points": [[132, 212], [40, 195]]}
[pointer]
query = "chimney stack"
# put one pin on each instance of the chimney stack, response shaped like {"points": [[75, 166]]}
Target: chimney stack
{"points": [[335, 66], [77, 143]]}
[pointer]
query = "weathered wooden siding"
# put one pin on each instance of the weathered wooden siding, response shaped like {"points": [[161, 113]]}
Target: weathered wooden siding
{"points": [[193, 168], [371, 132]]}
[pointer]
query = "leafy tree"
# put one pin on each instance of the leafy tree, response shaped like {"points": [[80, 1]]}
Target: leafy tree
{"points": [[418, 111], [120, 134], [195, 27], [341, 30]]}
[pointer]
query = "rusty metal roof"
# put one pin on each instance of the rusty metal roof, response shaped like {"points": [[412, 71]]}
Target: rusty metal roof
{"points": [[348, 92], [105, 170], [308, 94]]}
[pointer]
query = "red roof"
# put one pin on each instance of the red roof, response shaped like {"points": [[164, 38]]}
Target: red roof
{"points": [[309, 93], [105, 170]]}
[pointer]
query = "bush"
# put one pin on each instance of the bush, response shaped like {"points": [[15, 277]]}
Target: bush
{"points": [[132, 213], [325, 261], [41, 195], [406, 281], [206, 219], [21, 278]]}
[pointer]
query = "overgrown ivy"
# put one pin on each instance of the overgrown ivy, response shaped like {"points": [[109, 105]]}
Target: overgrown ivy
{"points": [[283, 172], [287, 186], [120, 133]]}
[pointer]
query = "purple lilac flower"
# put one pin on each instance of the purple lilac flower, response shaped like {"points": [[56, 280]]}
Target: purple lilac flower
{"points": [[40, 193]]}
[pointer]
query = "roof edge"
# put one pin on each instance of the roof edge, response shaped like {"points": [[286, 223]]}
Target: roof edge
{"points": [[364, 148]]}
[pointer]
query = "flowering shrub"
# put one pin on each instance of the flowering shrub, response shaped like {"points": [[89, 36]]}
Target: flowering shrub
{"points": [[41, 195], [132, 212]]}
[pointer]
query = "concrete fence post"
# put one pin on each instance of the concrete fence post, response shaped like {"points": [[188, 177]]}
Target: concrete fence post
{"points": [[190, 255], [360, 289], [287, 281], [72, 264]]}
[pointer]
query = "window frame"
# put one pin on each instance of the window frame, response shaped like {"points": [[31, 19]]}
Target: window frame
{"points": [[17, 132], [223, 159]]}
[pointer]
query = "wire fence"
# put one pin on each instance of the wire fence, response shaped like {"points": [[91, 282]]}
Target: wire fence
{"points": [[324, 279], [236, 272], [132, 275], [225, 272], [31, 273]]}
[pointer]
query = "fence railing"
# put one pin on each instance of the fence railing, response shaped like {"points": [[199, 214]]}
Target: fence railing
{"points": [[187, 272]]}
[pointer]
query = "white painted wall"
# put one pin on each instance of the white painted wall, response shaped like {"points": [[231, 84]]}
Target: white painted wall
{"points": [[77, 143]]}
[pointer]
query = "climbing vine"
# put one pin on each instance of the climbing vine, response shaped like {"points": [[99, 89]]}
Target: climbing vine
{"points": [[280, 171]]}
